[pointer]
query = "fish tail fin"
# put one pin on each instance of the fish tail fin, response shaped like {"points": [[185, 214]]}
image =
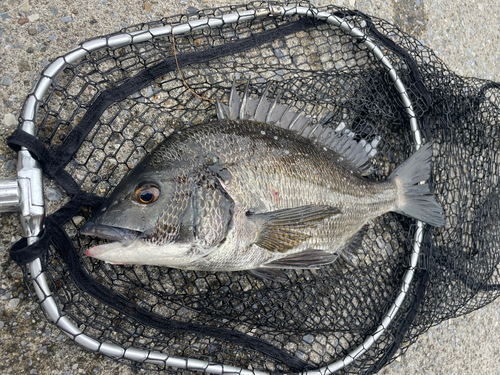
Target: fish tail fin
{"points": [[415, 199]]}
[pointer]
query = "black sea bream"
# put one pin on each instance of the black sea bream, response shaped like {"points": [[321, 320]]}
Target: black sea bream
{"points": [[247, 193]]}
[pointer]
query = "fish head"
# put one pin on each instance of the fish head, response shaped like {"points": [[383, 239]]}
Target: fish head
{"points": [[161, 215], [133, 207]]}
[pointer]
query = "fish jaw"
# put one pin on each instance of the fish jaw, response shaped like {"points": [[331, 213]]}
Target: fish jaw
{"points": [[99, 251], [121, 235], [143, 253]]}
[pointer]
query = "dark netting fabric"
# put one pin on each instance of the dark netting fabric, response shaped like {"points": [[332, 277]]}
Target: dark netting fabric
{"points": [[315, 317]]}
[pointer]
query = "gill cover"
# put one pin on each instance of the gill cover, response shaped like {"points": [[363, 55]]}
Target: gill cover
{"points": [[213, 210]]}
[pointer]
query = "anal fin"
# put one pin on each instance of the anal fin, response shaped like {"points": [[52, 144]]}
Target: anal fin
{"points": [[282, 230], [353, 246]]}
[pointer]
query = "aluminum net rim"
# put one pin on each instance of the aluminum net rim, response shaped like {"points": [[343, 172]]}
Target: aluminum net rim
{"points": [[42, 289]]}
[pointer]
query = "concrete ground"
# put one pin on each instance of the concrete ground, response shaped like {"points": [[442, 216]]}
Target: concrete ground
{"points": [[464, 34]]}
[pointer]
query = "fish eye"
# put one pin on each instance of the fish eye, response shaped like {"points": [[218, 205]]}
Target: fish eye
{"points": [[146, 193]]}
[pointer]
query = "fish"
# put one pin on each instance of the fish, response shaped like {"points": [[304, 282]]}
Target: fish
{"points": [[262, 189]]}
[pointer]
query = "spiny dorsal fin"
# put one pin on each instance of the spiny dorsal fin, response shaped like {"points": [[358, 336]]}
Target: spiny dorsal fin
{"points": [[355, 155]]}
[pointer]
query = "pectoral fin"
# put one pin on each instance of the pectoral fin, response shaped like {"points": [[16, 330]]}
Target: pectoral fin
{"points": [[286, 229]]}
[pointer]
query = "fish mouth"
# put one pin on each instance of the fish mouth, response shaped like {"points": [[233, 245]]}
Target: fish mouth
{"points": [[122, 235], [128, 246]]}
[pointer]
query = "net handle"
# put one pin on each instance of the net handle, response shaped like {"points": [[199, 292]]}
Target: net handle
{"points": [[42, 289]]}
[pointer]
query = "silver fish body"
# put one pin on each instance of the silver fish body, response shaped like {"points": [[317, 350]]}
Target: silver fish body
{"points": [[237, 194]]}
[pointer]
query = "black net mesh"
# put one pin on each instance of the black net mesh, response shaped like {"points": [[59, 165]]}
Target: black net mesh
{"points": [[318, 316]]}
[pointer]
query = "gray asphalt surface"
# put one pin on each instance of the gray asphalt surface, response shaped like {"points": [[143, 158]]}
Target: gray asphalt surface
{"points": [[464, 34]]}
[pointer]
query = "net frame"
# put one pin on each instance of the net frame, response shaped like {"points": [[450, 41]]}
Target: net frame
{"points": [[40, 284], [483, 288]]}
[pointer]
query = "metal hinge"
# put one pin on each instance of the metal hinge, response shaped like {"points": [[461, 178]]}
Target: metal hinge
{"points": [[25, 194]]}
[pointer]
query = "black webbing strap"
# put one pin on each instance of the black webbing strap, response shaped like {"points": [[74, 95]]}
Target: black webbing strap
{"points": [[123, 305], [36, 148], [53, 163], [54, 234], [53, 166], [63, 154], [22, 253]]}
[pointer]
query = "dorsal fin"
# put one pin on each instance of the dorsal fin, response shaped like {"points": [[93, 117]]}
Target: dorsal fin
{"points": [[355, 155]]}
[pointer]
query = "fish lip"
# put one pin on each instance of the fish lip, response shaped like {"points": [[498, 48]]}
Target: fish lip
{"points": [[97, 251], [122, 235]]}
